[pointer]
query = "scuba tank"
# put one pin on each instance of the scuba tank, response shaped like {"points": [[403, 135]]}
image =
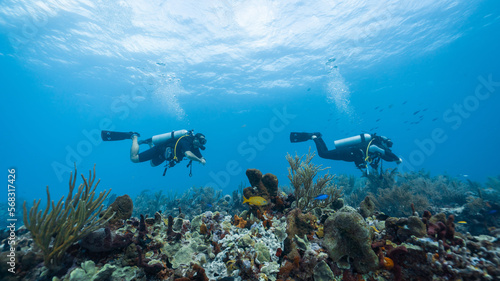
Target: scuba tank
{"points": [[163, 138], [352, 140]]}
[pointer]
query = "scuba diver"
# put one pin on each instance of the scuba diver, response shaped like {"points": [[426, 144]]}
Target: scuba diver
{"points": [[170, 147], [361, 149]]}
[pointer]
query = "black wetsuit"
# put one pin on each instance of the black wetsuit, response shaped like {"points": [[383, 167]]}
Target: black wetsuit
{"points": [[157, 153], [355, 153]]}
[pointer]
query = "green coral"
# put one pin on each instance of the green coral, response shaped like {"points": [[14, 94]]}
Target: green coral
{"points": [[302, 174], [60, 225]]}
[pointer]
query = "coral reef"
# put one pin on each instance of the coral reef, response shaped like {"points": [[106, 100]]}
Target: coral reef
{"points": [[204, 235]]}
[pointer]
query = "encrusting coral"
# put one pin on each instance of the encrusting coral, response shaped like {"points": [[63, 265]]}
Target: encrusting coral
{"points": [[56, 229]]}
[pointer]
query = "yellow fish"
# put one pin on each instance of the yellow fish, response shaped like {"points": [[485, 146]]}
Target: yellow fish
{"points": [[255, 200], [462, 222]]}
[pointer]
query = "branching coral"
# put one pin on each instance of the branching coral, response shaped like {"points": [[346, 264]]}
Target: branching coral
{"points": [[439, 190], [302, 173], [376, 180], [493, 183], [397, 200], [394, 197], [200, 195], [148, 203], [347, 182], [60, 225]]}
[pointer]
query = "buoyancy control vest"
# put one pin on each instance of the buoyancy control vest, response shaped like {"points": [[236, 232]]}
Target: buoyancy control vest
{"points": [[172, 139]]}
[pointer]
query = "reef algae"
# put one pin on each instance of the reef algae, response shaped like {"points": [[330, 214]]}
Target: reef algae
{"points": [[348, 240]]}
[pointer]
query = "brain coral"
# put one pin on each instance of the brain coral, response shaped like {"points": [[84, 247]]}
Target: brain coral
{"points": [[348, 240]]}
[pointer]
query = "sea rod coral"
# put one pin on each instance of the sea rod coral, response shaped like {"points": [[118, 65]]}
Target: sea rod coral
{"points": [[60, 225], [302, 174]]}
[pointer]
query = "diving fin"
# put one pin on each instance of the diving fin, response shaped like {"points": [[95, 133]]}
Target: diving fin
{"points": [[300, 137], [116, 136]]}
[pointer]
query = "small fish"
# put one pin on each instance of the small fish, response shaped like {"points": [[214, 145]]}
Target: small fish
{"points": [[491, 212], [462, 222], [435, 119], [321, 197], [405, 102], [375, 228], [255, 200], [284, 194], [416, 112], [209, 205]]}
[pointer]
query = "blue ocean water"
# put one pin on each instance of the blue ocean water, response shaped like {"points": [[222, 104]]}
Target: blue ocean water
{"points": [[246, 74]]}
